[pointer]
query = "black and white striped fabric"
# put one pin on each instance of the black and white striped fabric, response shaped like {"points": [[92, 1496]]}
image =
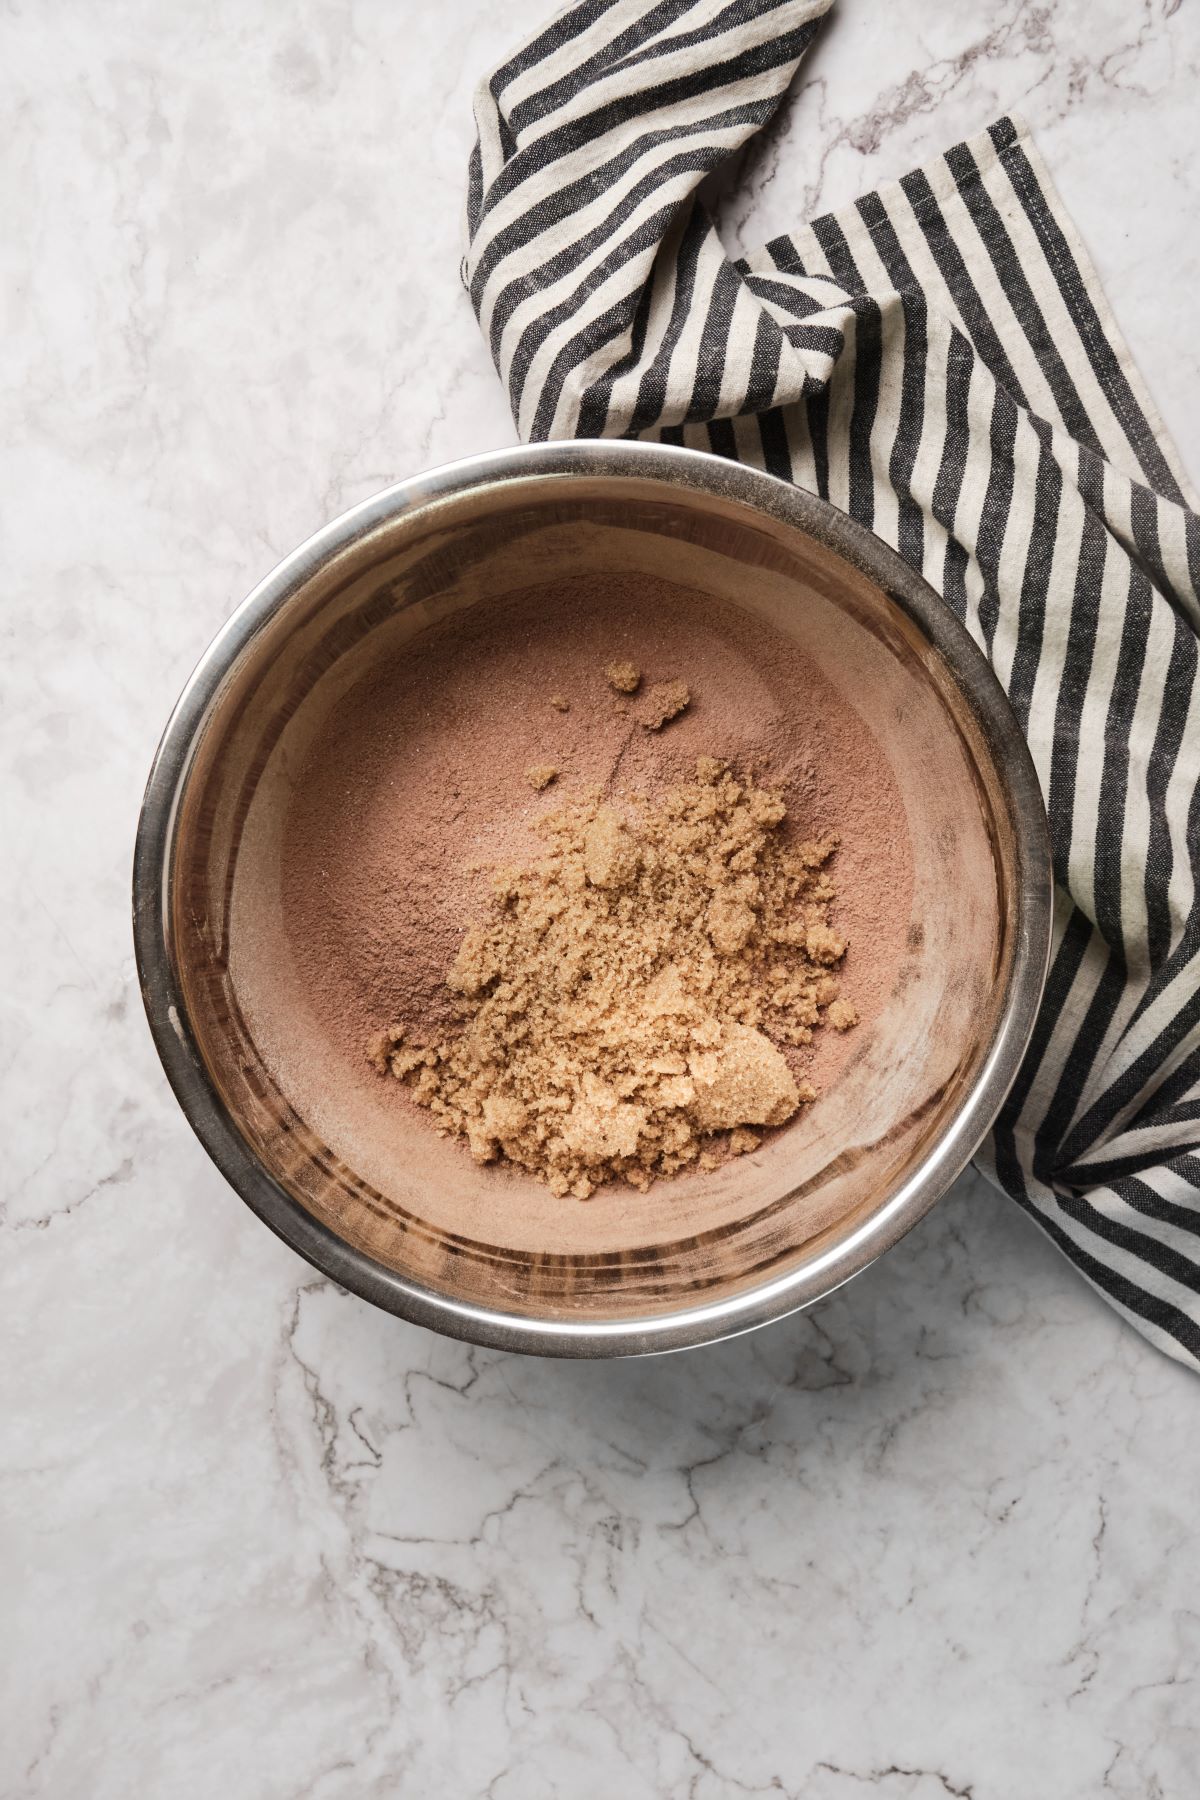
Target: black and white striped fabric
{"points": [[937, 360]]}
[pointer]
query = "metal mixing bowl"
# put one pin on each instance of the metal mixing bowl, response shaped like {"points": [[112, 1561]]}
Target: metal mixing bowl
{"points": [[804, 1220]]}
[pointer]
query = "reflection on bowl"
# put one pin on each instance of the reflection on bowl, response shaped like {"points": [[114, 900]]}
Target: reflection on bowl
{"points": [[340, 1165]]}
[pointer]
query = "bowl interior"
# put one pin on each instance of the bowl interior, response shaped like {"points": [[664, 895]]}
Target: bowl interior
{"points": [[936, 894]]}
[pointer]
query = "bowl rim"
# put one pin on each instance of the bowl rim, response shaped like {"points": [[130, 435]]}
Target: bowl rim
{"points": [[706, 1322]]}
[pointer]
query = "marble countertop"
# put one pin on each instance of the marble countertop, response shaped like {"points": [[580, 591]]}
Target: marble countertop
{"points": [[935, 1538]]}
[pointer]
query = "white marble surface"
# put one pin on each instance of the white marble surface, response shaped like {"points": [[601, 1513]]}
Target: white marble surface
{"points": [[256, 1540]]}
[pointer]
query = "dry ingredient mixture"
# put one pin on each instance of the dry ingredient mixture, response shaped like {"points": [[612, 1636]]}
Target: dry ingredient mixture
{"points": [[622, 1005]]}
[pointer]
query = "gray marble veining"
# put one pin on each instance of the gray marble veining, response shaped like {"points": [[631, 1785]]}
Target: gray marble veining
{"points": [[935, 1539]]}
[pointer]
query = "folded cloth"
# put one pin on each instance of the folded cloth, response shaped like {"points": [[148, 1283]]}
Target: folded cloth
{"points": [[937, 360]]}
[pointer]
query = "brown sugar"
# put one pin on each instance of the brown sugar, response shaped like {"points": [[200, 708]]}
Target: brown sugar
{"points": [[560, 703], [742, 1142], [624, 676], [663, 702], [631, 994], [540, 775]]}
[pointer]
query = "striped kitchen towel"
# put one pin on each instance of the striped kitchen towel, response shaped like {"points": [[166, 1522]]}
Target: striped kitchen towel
{"points": [[937, 360]]}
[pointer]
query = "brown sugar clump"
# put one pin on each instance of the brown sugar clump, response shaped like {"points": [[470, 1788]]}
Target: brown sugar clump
{"points": [[610, 854], [624, 676], [742, 1142], [823, 945], [630, 995], [540, 775], [742, 1080], [381, 1047], [560, 703], [663, 702]]}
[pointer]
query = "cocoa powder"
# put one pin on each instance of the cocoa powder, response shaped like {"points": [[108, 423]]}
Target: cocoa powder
{"points": [[415, 788]]}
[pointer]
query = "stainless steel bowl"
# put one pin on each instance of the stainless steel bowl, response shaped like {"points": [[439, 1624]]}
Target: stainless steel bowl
{"points": [[806, 1218]]}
